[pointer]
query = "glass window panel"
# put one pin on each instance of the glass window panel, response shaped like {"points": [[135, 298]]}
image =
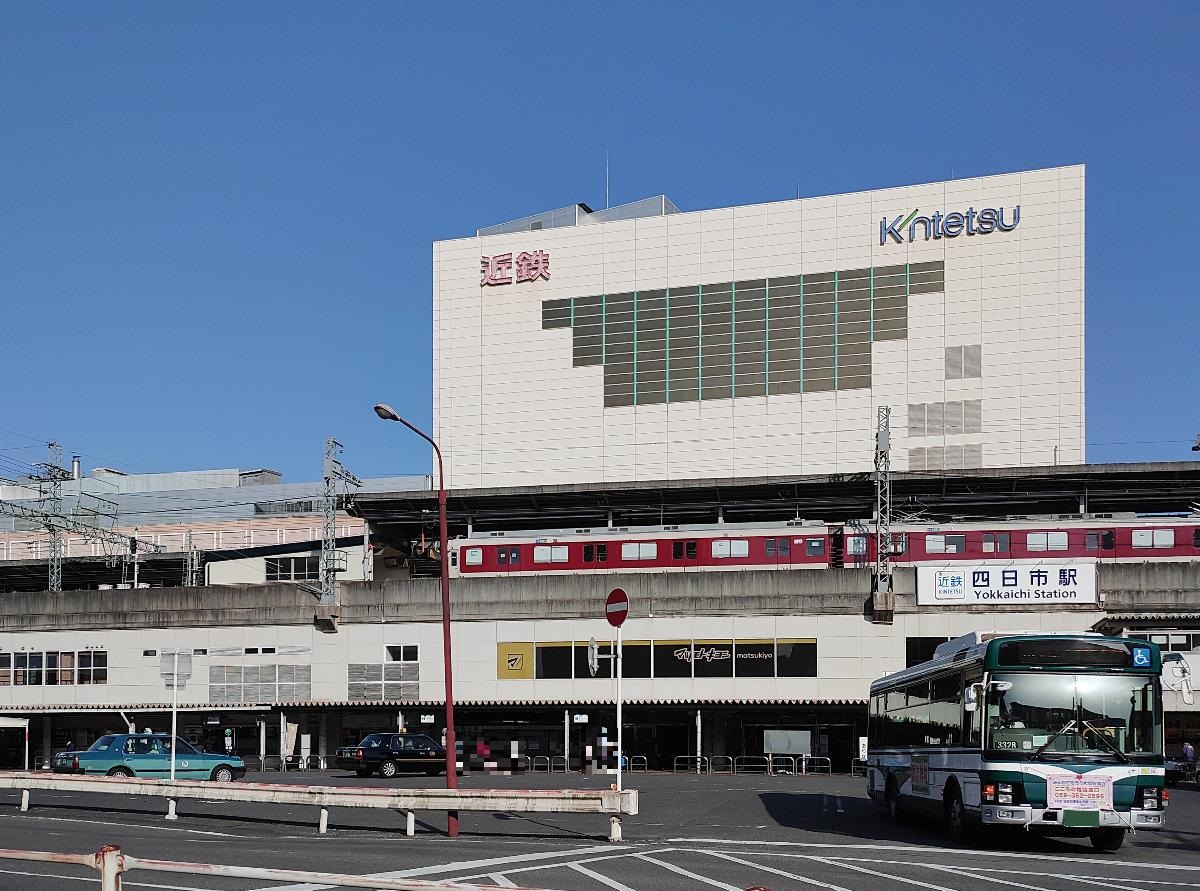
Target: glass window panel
{"points": [[553, 661], [739, 547], [1143, 538], [935, 544], [712, 658], [720, 548], [474, 556], [1164, 538], [1056, 541], [541, 553], [558, 554], [647, 550], [1035, 541], [673, 659], [754, 658], [796, 658]]}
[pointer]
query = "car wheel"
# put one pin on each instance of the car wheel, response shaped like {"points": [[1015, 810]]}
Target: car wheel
{"points": [[956, 816], [120, 772], [222, 774], [891, 801], [1108, 839], [387, 769]]}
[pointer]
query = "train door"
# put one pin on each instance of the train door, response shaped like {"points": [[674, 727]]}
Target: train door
{"points": [[837, 547], [684, 552]]}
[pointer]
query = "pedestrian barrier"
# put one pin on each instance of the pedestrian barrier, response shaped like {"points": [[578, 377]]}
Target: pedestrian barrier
{"points": [[781, 764], [111, 864], [638, 764], [720, 764], [559, 764], [540, 764], [601, 801], [858, 768], [690, 764], [751, 764], [815, 764]]}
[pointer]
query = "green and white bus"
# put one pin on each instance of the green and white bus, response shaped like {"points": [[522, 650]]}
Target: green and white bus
{"points": [[1059, 734]]}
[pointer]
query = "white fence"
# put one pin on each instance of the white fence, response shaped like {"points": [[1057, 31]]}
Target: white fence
{"points": [[601, 801], [111, 864]]}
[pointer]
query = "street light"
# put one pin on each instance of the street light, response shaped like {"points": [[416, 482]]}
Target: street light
{"points": [[387, 413]]}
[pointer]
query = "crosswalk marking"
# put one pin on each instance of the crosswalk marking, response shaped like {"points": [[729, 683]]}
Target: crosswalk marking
{"points": [[602, 879], [688, 873], [779, 872]]}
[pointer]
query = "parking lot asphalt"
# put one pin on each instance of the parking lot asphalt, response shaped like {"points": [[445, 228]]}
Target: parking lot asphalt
{"points": [[692, 832]]}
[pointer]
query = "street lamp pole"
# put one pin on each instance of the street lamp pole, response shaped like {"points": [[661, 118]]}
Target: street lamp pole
{"points": [[388, 414]]}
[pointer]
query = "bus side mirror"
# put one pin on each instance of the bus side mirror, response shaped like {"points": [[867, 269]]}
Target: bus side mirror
{"points": [[1183, 671], [970, 698]]}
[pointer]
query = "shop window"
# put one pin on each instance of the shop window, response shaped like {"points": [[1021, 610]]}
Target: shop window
{"points": [[604, 667], [754, 658], [796, 658], [712, 658], [5, 669], [673, 659], [920, 649], [93, 667], [552, 661], [474, 556], [635, 659]]}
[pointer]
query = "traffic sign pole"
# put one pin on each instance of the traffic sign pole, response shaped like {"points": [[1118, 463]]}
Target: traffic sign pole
{"points": [[620, 727], [616, 609]]}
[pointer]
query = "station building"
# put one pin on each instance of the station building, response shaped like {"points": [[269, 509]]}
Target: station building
{"points": [[645, 378]]}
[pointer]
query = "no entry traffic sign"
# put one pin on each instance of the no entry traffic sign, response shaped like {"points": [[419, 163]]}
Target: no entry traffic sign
{"points": [[616, 608]]}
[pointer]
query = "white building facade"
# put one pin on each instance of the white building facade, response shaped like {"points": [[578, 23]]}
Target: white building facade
{"points": [[761, 340]]}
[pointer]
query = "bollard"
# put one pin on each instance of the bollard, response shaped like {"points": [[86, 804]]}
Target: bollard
{"points": [[410, 824], [324, 827], [110, 863], [614, 829], [171, 815], [24, 800]]}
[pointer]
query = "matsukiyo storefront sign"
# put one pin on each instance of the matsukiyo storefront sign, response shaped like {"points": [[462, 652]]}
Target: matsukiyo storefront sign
{"points": [[1038, 584]]}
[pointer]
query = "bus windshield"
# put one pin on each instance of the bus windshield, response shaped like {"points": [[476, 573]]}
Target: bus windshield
{"points": [[1049, 716]]}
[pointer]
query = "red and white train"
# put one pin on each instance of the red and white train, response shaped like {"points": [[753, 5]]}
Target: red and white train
{"points": [[815, 545]]}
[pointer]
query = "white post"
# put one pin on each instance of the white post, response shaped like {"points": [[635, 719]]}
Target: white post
{"points": [[698, 741], [262, 743], [24, 800], [174, 707], [410, 824], [283, 734], [567, 737], [110, 864], [27, 744], [324, 824], [620, 738]]}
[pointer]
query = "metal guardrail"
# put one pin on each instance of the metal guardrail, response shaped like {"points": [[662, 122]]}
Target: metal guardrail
{"points": [[858, 768], [815, 764], [601, 801], [559, 764], [540, 764], [784, 765], [690, 764], [751, 764], [720, 764], [638, 764], [111, 863]]}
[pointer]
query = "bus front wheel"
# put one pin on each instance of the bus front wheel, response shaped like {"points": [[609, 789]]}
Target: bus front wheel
{"points": [[1108, 839], [956, 816]]}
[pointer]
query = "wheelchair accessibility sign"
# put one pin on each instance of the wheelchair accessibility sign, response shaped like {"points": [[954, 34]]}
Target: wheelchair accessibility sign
{"points": [[1141, 657]]}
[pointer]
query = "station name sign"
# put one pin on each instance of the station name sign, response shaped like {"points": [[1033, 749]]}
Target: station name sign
{"points": [[1006, 584], [498, 269], [938, 225]]}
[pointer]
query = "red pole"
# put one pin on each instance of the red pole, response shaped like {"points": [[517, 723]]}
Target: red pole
{"points": [[447, 650]]}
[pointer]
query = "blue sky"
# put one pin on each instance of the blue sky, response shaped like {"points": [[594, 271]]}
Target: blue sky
{"points": [[216, 219]]}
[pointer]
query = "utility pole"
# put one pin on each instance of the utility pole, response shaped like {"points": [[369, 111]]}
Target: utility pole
{"points": [[332, 560], [53, 473], [883, 602], [191, 567]]}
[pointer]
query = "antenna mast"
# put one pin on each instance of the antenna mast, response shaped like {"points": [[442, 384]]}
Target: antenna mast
{"points": [[883, 601]]}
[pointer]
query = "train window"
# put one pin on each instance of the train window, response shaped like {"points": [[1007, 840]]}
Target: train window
{"points": [[502, 556], [1196, 538], [589, 553], [1100, 540], [1046, 541], [769, 547], [639, 550], [1154, 538], [785, 547], [945, 544], [514, 556], [856, 545], [676, 550], [683, 549], [814, 547], [474, 556], [549, 554], [995, 542], [601, 553], [730, 547], [720, 548], [690, 550]]}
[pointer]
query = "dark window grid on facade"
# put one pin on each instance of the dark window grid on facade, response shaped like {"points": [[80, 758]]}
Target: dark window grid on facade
{"points": [[66, 668], [673, 345], [293, 569]]}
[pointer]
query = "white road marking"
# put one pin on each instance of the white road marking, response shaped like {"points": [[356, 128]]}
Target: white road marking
{"points": [[1096, 880], [1104, 883], [454, 867], [573, 863], [779, 872], [959, 871], [916, 849], [91, 879], [691, 875], [602, 879], [882, 875], [502, 880], [24, 817]]}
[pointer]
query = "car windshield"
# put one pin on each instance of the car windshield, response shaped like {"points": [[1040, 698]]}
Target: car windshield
{"points": [[183, 747], [375, 740], [1055, 715], [102, 744]]}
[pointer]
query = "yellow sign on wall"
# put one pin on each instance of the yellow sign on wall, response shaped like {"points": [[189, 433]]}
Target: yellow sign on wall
{"points": [[514, 661]]}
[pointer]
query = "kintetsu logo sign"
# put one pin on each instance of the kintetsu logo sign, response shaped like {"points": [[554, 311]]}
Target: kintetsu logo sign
{"points": [[950, 225], [498, 269]]}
